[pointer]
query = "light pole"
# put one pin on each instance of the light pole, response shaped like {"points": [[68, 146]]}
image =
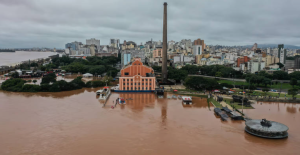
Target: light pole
{"points": [[243, 100]]}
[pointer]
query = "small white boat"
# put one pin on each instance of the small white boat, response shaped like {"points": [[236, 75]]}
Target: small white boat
{"points": [[122, 100], [104, 93], [169, 97], [174, 96], [179, 97]]}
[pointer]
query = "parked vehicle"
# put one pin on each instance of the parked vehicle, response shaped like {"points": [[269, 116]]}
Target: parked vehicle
{"points": [[230, 92], [273, 90]]}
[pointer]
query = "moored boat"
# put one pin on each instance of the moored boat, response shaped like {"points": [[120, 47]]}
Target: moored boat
{"points": [[104, 93]]}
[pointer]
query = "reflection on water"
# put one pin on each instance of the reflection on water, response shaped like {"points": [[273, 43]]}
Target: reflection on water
{"points": [[291, 109], [75, 122]]}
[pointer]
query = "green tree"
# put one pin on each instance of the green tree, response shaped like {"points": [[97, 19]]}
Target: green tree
{"points": [[43, 68], [293, 82], [97, 70], [218, 74], [14, 85], [49, 78], [265, 90], [34, 64], [265, 74], [34, 81], [293, 92], [191, 69], [78, 83], [252, 87], [15, 75], [266, 81], [295, 75], [177, 74], [281, 75], [157, 68], [30, 88]]}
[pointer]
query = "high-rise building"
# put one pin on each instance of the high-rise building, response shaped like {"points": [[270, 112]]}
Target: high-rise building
{"points": [[282, 56], [254, 47], [93, 41], [297, 62], [280, 48], [125, 58], [268, 51], [200, 42], [242, 60], [197, 50], [115, 43]]}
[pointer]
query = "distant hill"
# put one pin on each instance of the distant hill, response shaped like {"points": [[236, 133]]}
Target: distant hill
{"points": [[273, 46]]}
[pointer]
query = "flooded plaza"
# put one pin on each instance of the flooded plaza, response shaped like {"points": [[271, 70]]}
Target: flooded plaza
{"points": [[76, 123]]}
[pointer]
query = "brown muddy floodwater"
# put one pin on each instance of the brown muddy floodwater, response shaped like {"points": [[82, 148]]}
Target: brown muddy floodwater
{"points": [[76, 123]]}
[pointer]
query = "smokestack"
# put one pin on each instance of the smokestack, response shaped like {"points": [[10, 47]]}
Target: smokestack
{"points": [[165, 42]]}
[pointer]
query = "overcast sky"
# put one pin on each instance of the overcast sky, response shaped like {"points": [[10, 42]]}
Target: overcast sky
{"points": [[52, 23]]}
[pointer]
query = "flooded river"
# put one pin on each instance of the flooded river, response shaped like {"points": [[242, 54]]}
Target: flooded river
{"points": [[11, 58], [76, 123]]}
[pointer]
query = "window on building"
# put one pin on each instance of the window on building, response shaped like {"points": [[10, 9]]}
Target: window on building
{"points": [[127, 88], [131, 88], [146, 79], [146, 88], [131, 84], [142, 83], [124, 88], [134, 83], [139, 83], [138, 73], [131, 79], [123, 79], [149, 88], [127, 79], [150, 80], [127, 83], [126, 73], [142, 79], [124, 83], [146, 83], [135, 88]]}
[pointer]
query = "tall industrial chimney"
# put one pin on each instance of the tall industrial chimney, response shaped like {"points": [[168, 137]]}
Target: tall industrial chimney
{"points": [[165, 44]]}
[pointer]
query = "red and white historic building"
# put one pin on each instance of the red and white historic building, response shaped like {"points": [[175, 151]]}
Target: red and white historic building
{"points": [[137, 78]]}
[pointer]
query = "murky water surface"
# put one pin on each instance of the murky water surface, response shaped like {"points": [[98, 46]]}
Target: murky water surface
{"points": [[11, 58], [76, 123]]}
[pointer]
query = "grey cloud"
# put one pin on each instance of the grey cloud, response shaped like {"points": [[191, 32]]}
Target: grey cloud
{"points": [[28, 23]]}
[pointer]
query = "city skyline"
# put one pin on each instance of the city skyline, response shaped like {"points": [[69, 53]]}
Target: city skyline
{"points": [[31, 23]]}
